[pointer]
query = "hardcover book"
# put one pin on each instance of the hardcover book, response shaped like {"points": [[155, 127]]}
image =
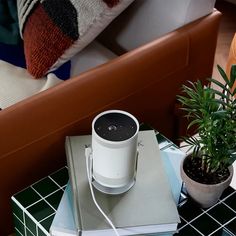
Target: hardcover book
{"points": [[148, 207], [64, 224]]}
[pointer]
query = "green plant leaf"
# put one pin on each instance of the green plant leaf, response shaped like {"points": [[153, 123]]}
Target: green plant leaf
{"points": [[194, 122], [222, 86], [213, 113], [223, 95], [223, 74], [234, 92], [232, 75]]}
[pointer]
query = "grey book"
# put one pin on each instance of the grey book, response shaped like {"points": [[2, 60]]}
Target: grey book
{"points": [[148, 207]]}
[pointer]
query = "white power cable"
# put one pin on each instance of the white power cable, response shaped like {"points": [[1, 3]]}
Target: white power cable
{"points": [[89, 160]]}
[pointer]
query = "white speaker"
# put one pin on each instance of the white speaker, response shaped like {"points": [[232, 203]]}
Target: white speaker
{"points": [[114, 151]]}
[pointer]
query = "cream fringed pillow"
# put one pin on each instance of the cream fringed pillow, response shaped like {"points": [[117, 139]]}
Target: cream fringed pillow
{"points": [[232, 58], [55, 30]]}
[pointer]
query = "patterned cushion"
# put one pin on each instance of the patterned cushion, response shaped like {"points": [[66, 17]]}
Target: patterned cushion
{"points": [[55, 30]]}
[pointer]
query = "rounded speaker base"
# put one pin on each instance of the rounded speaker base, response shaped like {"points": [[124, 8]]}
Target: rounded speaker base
{"points": [[113, 191]]}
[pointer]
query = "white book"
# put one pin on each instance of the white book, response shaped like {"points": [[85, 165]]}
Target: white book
{"points": [[64, 223], [148, 207]]}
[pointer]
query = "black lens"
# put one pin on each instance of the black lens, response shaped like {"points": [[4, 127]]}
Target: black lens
{"points": [[115, 126]]}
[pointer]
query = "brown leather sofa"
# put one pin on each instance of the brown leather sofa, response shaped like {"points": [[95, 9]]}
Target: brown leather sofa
{"points": [[144, 82]]}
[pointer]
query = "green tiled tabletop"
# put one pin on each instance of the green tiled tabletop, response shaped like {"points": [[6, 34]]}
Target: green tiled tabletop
{"points": [[218, 220], [35, 207]]}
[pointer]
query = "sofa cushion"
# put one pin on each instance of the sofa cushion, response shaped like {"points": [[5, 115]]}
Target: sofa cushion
{"points": [[146, 20], [17, 84], [55, 30], [232, 58], [91, 56]]}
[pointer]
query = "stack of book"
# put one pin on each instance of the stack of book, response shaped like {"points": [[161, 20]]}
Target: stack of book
{"points": [[148, 207]]}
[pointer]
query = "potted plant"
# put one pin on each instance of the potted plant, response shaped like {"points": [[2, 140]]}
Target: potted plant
{"points": [[212, 113]]}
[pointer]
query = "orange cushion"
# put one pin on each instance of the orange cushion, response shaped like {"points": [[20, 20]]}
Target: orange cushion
{"points": [[232, 58]]}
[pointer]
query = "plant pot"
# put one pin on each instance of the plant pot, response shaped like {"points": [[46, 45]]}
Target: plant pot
{"points": [[206, 195]]}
